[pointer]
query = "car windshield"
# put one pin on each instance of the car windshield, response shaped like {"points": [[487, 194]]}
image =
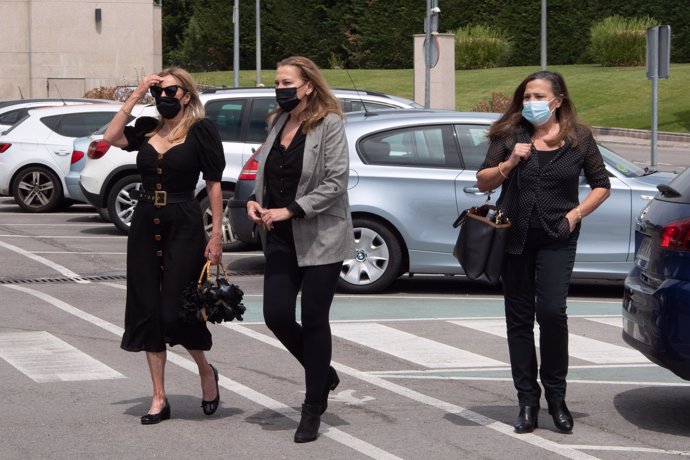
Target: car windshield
{"points": [[620, 164]]}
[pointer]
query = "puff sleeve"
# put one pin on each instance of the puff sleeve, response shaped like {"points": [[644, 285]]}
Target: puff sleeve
{"points": [[136, 135], [209, 149]]}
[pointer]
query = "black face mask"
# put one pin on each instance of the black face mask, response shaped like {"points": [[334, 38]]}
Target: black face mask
{"points": [[168, 107], [287, 98]]}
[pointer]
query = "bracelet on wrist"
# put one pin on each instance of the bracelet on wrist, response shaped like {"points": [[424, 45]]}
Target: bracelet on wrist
{"points": [[579, 213], [500, 170], [125, 111]]}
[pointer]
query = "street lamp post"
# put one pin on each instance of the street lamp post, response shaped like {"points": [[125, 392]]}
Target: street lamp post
{"points": [[543, 34]]}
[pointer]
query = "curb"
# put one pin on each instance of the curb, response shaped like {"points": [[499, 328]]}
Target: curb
{"points": [[641, 134]]}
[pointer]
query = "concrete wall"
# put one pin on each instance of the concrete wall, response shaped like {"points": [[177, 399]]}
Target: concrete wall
{"points": [[442, 77], [53, 48]]}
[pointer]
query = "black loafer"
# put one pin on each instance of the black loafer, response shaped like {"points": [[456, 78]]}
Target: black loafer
{"points": [[210, 407], [152, 419]]}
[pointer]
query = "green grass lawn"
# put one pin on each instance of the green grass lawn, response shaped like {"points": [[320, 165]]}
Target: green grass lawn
{"points": [[617, 97]]}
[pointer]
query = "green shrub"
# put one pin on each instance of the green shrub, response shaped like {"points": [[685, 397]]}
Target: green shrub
{"points": [[481, 47], [619, 41]]}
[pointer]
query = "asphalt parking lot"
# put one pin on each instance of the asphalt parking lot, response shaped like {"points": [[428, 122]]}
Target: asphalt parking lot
{"points": [[424, 368]]}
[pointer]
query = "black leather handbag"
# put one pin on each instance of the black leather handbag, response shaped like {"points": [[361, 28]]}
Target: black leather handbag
{"points": [[212, 301], [482, 239]]}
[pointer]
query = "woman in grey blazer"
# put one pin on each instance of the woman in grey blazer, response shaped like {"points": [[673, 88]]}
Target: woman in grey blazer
{"points": [[300, 205]]}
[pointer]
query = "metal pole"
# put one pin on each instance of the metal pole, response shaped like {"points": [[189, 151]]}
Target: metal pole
{"points": [[258, 43], [655, 94], [543, 34], [427, 54], [236, 45]]}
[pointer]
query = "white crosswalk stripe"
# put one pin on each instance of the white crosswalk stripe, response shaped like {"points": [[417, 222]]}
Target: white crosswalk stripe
{"points": [[419, 350], [45, 358], [584, 348], [615, 321]]}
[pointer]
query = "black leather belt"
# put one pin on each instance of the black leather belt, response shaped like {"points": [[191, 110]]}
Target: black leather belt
{"points": [[161, 197]]}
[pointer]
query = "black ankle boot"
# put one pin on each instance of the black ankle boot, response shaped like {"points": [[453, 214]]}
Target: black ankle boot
{"points": [[331, 384], [308, 428], [561, 415], [528, 419]]}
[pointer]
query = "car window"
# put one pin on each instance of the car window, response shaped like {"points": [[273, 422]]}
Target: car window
{"points": [[12, 116], [473, 144], [620, 164], [425, 146], [356, 105], [77, 124], [258, 131], [227, 115]]}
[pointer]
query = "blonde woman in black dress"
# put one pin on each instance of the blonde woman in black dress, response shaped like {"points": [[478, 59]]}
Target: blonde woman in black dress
{"points": [[167, 244]]}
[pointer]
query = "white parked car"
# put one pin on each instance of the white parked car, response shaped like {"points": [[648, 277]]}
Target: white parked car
{"points": [[35, 153], [13, 111]]}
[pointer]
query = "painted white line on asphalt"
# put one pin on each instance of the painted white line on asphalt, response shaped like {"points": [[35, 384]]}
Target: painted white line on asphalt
{"points": [[57, 267], [45, 358], [636, 383], [616, 321], [594, 351], [403, 345], [326, 430], [421, 398], [648, 450]]}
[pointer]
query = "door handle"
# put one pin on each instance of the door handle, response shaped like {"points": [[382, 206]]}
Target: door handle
{"points": [[62, 153], [474, 190]]}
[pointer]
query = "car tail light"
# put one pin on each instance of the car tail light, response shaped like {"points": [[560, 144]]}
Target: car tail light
{"points": [[97, 149], [76, 156], [250, 167], [675, 236], [4, 147]]}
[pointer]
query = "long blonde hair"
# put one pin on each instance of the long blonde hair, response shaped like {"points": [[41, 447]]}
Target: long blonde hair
{"points": [[192, 112], [321, 101]]}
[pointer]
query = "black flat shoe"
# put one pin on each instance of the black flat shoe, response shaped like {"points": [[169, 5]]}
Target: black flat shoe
{"points": [[528, 419], [152, 419], [308, 429], [332, 384], [210, 407], [561, 416]]}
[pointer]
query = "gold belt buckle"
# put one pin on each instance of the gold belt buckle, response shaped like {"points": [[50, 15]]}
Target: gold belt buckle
{"points": [[160, 198]]}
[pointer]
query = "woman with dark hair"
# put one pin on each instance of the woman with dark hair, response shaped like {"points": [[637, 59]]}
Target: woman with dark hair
{"points": [[538, 148], [167, 245], [301, 206]]}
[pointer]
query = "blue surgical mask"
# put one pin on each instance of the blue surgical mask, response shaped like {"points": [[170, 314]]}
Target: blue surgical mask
{"points": [[537, 112]]}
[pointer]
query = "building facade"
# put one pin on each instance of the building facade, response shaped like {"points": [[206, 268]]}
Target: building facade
{"points": [[64, 48]]}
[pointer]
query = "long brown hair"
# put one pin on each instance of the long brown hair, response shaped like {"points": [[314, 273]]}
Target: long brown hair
{"points": [[565, 114], [321, 101], [192, 112]]}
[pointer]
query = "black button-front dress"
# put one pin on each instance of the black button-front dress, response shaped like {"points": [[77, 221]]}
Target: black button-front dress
{"points": [[165, 248]]}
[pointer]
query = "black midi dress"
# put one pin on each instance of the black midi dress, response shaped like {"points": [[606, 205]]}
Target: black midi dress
{"points": [[165, 248]]}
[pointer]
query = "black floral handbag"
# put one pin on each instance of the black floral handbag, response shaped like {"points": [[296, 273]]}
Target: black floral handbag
{"points": [[212, 300], [483, 236]]}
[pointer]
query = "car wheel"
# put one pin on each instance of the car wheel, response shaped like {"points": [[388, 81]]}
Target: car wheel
{"points": [[230, 243], [377, 261], [37, 189], [120, 204], [103, 212]]}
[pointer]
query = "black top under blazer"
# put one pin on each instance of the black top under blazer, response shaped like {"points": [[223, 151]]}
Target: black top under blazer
{"points": [[552, 190]]}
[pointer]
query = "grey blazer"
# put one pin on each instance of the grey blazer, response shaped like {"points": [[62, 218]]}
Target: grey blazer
{"points": [[324, 235]]}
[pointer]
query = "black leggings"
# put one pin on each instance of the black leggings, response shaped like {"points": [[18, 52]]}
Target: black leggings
{"points": [[309, 342]]}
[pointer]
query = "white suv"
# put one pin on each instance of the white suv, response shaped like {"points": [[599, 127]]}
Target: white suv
{"points": [[35, 152], [239, 115]]}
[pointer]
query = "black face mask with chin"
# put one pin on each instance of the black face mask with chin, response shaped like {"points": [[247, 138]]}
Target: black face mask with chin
{"points": [[168, 107], [287, 98]]}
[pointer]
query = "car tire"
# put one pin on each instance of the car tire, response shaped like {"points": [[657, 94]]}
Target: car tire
{"points": [[377, 261], [120, 204], [37, 189], [230, 243]]}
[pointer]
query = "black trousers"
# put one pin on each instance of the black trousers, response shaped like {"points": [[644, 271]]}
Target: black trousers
{"points": [[535, 283], [309, 342]]}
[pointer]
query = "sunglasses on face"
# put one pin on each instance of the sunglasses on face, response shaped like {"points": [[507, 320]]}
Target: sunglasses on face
{"points": [[170, 91]]}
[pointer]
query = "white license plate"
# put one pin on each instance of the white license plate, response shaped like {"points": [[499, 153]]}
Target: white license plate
{"points": [[645, 250]]}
